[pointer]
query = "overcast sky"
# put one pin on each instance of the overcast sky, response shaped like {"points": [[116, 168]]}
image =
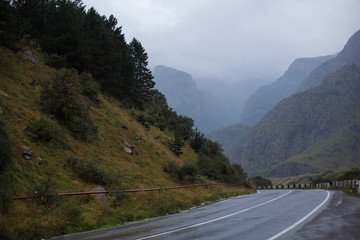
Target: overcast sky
{"points": [[234, 39]]}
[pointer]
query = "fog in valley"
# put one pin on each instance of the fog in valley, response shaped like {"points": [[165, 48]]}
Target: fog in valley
{"points": [[231, 48]]}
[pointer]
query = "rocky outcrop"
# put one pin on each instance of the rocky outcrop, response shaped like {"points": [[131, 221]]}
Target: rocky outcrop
{"points": [[100, 196], [129, 148], [266, 97], [31, 56], [26, 152], [349, 55], [302, 120]]}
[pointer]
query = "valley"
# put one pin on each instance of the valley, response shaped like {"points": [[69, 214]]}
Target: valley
{"points": [[81, 111]]}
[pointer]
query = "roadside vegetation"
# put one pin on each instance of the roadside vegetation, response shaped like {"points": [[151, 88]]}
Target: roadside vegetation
{"points": [[261, 182], [83, 113]]}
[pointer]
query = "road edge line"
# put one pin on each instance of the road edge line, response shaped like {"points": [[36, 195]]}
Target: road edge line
{"points": [[213, 220], [302, 219]]}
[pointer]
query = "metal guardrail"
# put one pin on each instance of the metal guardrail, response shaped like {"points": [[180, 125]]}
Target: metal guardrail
{"points": [[120, 191], [351, 184]]}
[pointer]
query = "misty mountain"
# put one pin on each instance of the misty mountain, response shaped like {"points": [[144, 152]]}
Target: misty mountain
{"points": [[312, 131], [230, 96], [266, 97], [211, 103], [185, 98], [349, 55]]}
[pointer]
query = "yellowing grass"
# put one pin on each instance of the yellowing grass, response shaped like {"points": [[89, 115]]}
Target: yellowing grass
{"points": [[20, 87]]}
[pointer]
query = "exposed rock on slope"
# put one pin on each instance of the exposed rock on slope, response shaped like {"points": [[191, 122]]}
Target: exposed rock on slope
{"points": [[302, 120], [266, 97], [349, 55]]}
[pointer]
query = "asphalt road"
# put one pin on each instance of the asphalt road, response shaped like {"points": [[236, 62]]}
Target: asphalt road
{"points": [[269, 214]]}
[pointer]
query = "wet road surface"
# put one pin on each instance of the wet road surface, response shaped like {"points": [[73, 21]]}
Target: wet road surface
{"points": [[269, 214]]}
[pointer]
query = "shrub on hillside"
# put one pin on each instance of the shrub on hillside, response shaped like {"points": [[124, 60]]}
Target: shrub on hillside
{"points": [[5, 148], [215, 165], [90, 88], [142, 120], [352, 174], [180, 172], [172, 168], [5, 162], [188, 169], [89, 171], [56, 61], [45, 192], [44, 130], [62, 96], [260, 181], [6, 191]]}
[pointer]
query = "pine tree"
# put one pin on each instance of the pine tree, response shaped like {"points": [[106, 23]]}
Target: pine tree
{"points": [[10, 25], [142, 75], [197, 140], [177, 144]]}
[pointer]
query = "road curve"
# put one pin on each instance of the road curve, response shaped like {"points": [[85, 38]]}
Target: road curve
{"points": [[269, 214]]}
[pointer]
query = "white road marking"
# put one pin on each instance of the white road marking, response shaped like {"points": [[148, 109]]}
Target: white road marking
{"points": [[222, 201], [301, 220], [213, 220], [338, 203]]}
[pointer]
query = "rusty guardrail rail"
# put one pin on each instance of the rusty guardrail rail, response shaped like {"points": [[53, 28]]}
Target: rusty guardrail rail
{"points": [[120, 191]]}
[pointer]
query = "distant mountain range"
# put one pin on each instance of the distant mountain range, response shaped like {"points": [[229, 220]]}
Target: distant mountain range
{"points": [[315, 130], [211, 103], [307, 121], [349, 55], [266, 97]]}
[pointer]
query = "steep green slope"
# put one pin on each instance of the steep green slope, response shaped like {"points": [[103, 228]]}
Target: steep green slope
{"points": [[316, 124], [339, 151], [64, 163]]}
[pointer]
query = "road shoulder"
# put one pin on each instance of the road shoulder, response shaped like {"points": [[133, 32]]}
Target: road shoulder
{"points": [[340, 220]]}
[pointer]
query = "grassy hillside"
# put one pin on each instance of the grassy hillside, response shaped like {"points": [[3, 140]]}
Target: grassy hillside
{"points": [[339, 151], [50, 170]]}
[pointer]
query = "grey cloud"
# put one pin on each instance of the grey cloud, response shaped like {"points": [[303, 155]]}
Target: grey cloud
{"points": [[235, 39]]}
